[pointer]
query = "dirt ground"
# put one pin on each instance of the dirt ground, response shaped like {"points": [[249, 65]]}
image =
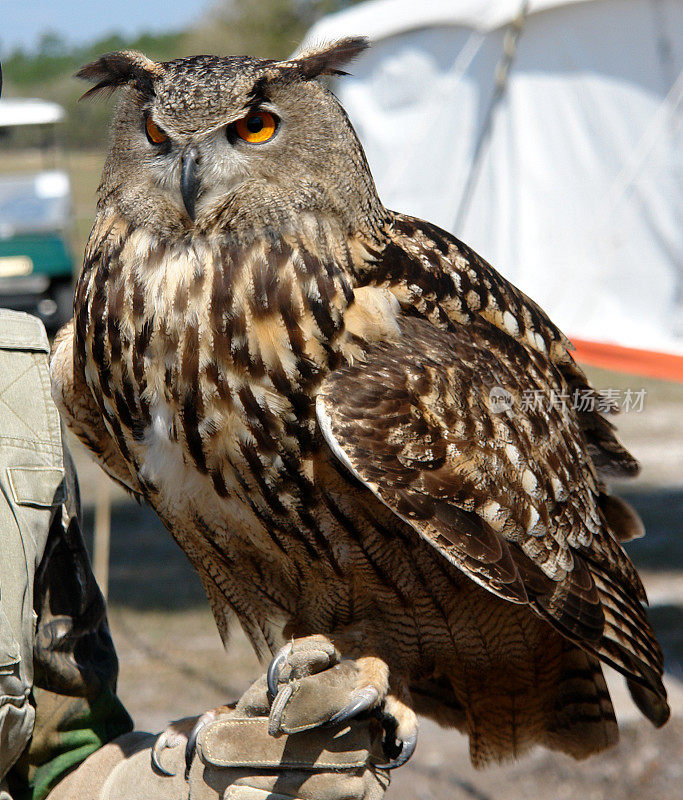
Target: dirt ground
{"points": [[173, 664]]}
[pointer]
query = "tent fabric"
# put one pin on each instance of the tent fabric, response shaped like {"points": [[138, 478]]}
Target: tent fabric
{"points": [[653, 363], [577, 193], [384, 18]]}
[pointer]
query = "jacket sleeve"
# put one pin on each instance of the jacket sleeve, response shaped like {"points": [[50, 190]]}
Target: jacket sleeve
{"points": [[75, 663]]}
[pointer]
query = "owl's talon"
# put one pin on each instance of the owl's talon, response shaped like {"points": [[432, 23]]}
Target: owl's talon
{"points": [[400, 732], [407, 748], [191, 745], [180, 732], [361, 700], [162, 743], [274, 670]]}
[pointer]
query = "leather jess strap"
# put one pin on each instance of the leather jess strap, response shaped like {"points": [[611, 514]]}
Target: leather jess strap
{"points": [[244, 742]]}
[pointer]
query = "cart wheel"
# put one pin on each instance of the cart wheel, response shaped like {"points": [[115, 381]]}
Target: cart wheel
{"points": [[58, 307]]}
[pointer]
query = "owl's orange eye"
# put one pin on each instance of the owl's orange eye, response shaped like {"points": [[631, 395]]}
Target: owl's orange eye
{"points": [[154, 132], [257, 127]]}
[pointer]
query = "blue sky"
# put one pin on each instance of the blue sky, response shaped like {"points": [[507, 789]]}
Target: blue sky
{"points": [[82, 21]]}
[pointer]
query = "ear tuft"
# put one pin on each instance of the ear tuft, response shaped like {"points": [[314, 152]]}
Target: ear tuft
{"points": [[327, 59], [118, 69]]}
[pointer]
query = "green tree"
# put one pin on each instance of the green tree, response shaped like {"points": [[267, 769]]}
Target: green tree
{"points": [[52, 45]]}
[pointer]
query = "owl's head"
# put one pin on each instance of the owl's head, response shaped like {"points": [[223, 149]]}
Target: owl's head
{"points": [[234, 141]]}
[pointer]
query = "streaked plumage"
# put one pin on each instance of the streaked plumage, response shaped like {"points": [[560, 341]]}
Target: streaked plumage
{"points": [[298, 379]]}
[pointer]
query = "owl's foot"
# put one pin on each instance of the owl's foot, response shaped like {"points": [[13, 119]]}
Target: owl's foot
{"points": [[358, 685], [400, 732], [310, 684], [176, 733], [179, 732]]}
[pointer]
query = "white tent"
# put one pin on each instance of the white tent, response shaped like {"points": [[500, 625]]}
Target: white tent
{"points": [[544, 134]]}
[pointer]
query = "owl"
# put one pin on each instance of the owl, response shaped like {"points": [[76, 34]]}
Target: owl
{"points": [[324, 402]]}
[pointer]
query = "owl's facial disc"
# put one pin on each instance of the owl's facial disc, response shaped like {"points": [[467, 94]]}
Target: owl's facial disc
{"points": [[211, 142], [198, 170], [212, 165]]}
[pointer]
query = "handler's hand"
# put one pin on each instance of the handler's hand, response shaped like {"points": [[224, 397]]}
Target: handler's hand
{"points": [[234, 758]]}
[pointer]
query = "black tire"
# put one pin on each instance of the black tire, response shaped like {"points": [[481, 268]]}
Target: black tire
{"points": [[62, 294]]}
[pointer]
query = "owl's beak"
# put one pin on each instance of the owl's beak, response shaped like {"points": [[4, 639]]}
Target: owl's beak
{"points": [[189, 180]]}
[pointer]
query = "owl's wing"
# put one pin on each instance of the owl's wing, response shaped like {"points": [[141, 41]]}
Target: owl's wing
{"points": [[436, 426], [444, 280], [78, 409]]}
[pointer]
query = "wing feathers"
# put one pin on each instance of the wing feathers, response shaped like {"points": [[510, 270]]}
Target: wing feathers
{"points": [[510, 498], [622, 520], [584, 716]]}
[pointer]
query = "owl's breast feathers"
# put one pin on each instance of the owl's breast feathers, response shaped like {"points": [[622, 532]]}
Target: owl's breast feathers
{"points": [[234, 337], [219, 348]]}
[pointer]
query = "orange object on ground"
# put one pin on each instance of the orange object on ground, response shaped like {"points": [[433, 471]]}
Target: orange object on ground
{"points": [[667, 366]]}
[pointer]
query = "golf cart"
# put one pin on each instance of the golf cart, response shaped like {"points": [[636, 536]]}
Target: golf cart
{"points": [[36, 267]]}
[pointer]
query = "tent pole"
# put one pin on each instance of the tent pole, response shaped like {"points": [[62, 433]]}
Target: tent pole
{"points": [[501, 74]]}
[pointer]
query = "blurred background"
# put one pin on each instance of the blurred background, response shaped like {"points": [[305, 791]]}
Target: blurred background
{"points": [[546, 135]]}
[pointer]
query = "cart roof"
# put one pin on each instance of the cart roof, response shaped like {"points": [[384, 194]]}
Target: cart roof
{"points": [[25, 111]]}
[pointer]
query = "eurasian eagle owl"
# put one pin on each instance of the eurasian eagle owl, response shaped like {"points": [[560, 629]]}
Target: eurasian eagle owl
{"points": [[299, 381]]}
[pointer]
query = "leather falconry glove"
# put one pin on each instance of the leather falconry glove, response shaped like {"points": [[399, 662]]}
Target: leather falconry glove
{"points": [[228, 754]]}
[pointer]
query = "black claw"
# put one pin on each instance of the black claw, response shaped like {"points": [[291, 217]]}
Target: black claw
{"points": [[274, 669], [362, 700], [191, 745], [157, 764], [398, 751]]}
